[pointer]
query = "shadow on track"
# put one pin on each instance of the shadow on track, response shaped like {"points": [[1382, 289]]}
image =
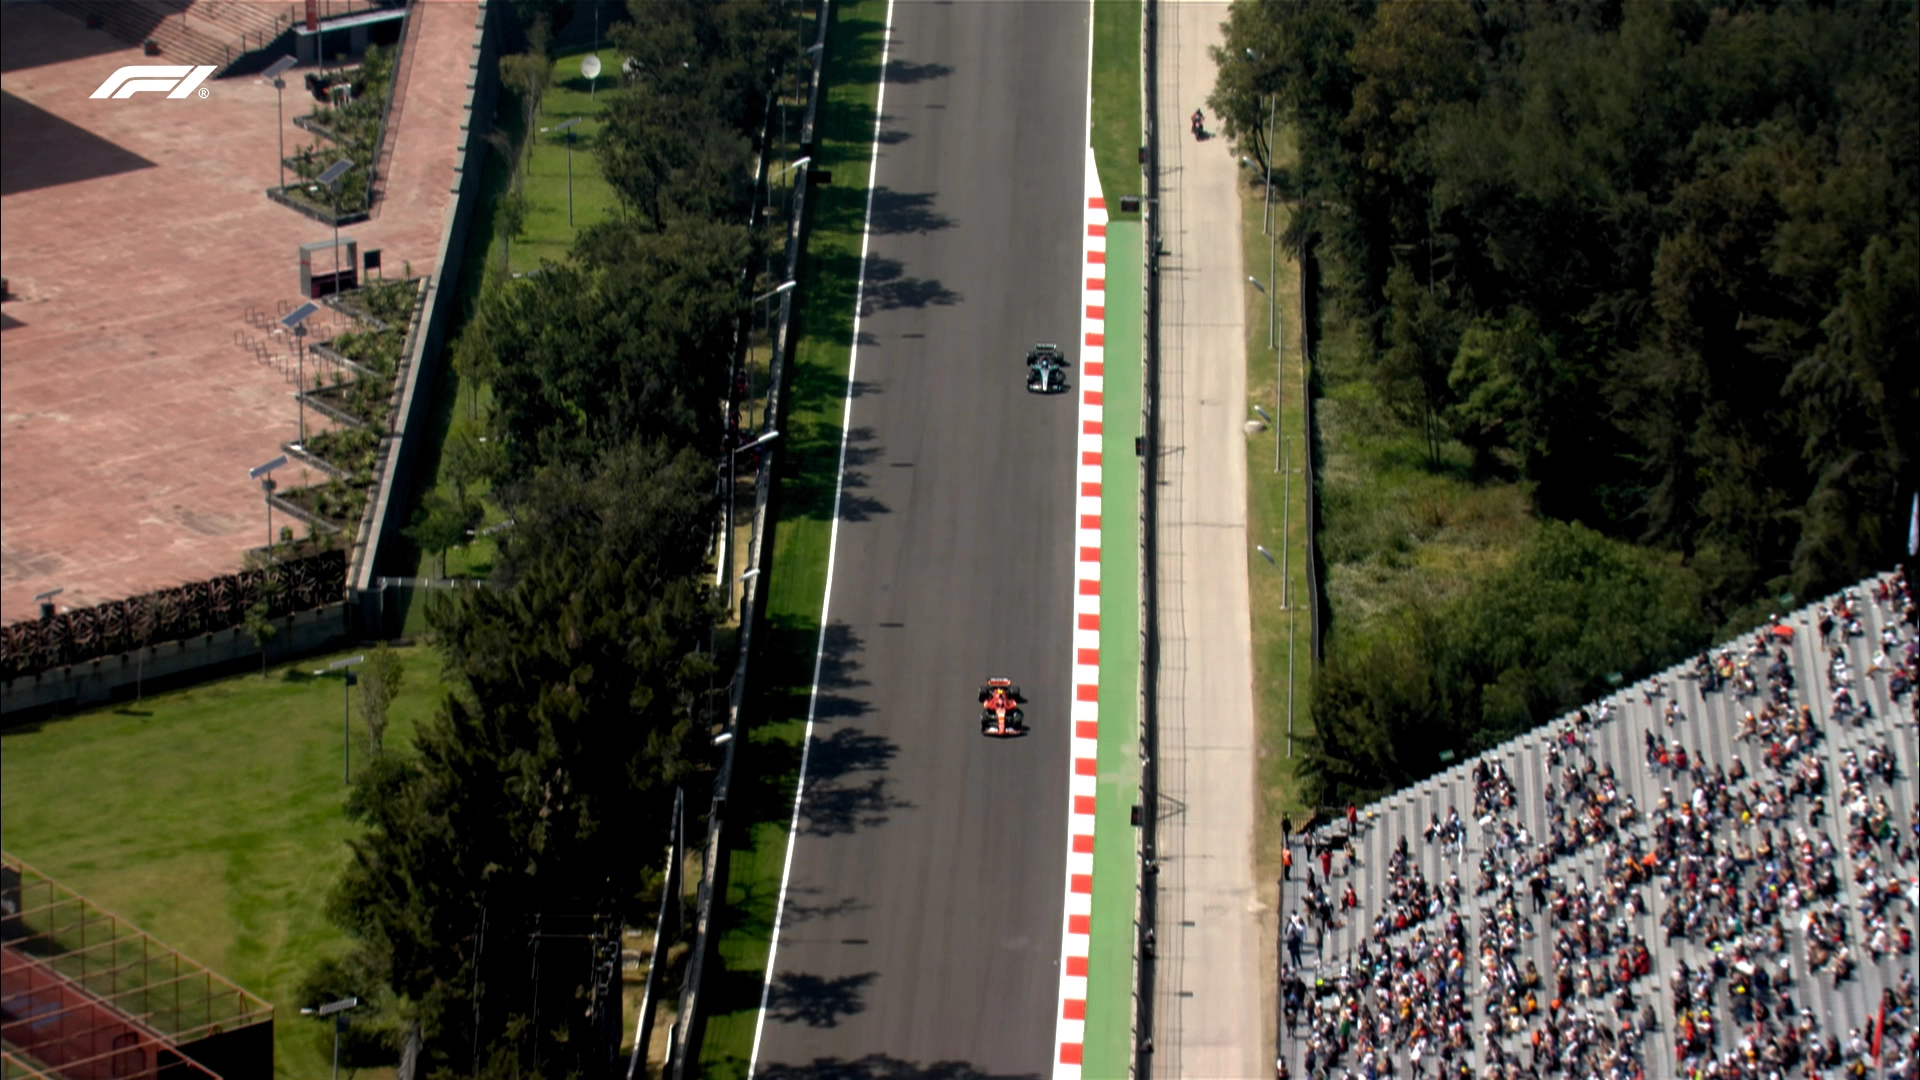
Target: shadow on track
{"points": [[799, 998], [896, 212], [888, 288], [908, 71], [855, 503], [799, 912]]}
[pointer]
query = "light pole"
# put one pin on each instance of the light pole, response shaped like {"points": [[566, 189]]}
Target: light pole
{"points": [[263, 473], [296, 321], [567, 126], [726, 548], [1255, 282], [346, 716], [1286, 525], [45, 600], [333, 1008], [590, 67], [272, 74], [331, 178], [794, 168], [767, 320]]}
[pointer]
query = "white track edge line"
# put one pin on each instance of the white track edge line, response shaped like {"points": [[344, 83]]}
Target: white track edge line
{"points": [[833, 548]]}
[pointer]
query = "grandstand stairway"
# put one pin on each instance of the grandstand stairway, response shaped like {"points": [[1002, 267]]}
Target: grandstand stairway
{"points": [[216, 32]]}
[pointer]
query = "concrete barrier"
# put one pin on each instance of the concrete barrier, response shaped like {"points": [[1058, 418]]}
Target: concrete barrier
{"points": [[164, 665]]}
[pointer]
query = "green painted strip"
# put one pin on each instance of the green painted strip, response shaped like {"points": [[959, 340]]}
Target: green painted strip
{"points": [[1110, 961]]}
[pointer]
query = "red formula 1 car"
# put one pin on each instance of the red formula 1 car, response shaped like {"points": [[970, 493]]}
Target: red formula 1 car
{"points": [[1000, 714]]}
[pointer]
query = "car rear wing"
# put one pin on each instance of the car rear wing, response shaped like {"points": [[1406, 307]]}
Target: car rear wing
{"points": [[1045, 346]]}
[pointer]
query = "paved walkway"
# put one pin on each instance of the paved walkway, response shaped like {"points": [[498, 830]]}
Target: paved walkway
{"points": [[136, 239], [1208, 1007]]}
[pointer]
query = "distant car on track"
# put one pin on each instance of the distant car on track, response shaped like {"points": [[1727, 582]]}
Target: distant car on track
{"points": [[1046, 369], [1000, 712]]}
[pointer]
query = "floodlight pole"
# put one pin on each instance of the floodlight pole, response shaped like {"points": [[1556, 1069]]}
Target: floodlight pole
{"points": [[346, 769], [337, 1010], [280, 124], [266, 489], [347, 679], [334, 190], [1286, 525], [570, 162], [300, 349], [732, 498]]}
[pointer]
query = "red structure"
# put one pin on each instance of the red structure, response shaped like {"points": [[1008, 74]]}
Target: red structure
{"points": [[86, 996]]}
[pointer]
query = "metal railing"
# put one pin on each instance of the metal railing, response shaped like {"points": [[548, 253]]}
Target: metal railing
{"points": [[1146, 867], [685, 1038]]}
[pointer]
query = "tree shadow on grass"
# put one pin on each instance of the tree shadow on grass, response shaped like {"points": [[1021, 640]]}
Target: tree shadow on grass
{"points": [[816, 1001]]}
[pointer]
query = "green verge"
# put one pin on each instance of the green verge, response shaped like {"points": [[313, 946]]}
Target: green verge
{"points": [[1109, 1042], [801, 530], [547, 236], [1115, 130], [211, 818], [1277, 520], [459, 408]]}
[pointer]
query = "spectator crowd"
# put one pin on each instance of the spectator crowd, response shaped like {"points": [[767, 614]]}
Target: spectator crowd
{"points": [[1714, 934]]}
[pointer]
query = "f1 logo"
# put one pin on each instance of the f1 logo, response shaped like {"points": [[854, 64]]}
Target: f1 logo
{"points": [[180, 79]]}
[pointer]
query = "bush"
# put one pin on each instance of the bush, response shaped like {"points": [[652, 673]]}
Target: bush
{"points": [[1530, 640]]}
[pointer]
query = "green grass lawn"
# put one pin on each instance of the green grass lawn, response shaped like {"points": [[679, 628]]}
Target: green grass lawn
{"points": [[803, 516], [211, 819], [544, 178], [1276, 520], [1116, 102]]}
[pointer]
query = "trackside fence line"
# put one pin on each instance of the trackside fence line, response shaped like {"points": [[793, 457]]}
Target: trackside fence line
{"points": [[1146, 879], [690, 1023]]}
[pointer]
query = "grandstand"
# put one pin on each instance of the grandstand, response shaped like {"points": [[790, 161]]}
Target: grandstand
{"points": [[86, 996], [1720, 884]]}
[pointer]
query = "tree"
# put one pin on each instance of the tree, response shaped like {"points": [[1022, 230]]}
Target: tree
{"points": [[1524, 642], [1511, 391], [259, 619], [474, 357], [471, 462], [1412, 372], [678, 141], [635, 339], [510, 212], [441, 523], [526, 74], [380, 679], [579, 681], [1647, 230]]}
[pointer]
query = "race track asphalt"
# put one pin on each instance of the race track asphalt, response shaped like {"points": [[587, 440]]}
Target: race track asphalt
{"points": [[924, 908]]}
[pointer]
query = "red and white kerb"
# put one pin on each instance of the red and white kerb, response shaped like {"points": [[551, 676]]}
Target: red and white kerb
{"points": [[1070, 1032]]}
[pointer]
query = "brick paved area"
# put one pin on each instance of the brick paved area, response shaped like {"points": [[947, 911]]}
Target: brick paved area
{"points": [[136, 238]]}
